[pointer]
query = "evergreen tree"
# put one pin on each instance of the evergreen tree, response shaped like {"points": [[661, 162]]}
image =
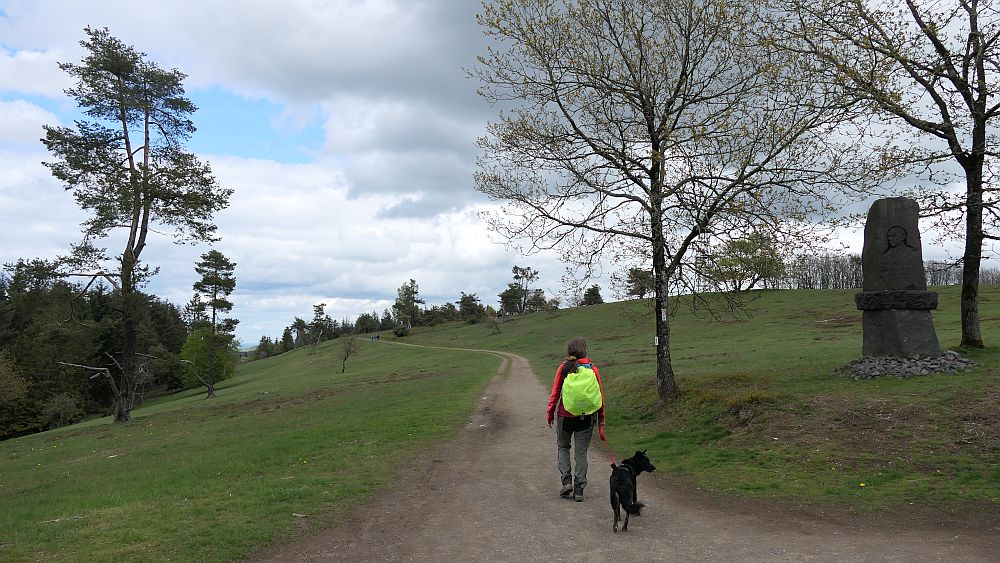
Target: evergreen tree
{"points": [[511, 298], [216, 284], [366, 322], [194, 314], [202, 352], [406, 308], [386, 322], [318, 326], [287, 340], [592, 296], [265, 348], [523, 278], [470, 309], [537, 301], [301, 330], [6, 314], [639, 283], [12, 385], [125, 165]]}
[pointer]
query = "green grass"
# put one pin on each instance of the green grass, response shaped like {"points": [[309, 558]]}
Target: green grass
{"points": [[759, 415], [759, 412], [208, 480]]}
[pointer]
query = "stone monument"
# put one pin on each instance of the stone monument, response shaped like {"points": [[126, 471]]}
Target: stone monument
{"points": [[896, 317]]}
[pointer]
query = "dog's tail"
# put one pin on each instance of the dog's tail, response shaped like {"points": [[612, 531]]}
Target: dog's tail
{"points": [[634, 509]]}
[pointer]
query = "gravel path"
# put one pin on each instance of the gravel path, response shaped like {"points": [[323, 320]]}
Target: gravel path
{"points": [[491, 495]]}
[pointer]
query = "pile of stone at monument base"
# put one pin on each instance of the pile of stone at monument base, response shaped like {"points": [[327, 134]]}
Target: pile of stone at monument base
{"points": [[867, 367], [898, 337]]}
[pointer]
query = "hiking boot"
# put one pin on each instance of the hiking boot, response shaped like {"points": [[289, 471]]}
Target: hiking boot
{"points": [[578, 495], [566, 491]]}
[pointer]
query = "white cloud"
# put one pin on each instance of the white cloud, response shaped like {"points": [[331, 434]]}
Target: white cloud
{"points": [[385, 77], [21, 123], [299, 238], [405, 147], [39, 218], [32, 72], [388, 198]]}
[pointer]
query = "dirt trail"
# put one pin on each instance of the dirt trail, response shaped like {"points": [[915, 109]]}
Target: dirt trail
{"points": [[491, 495]]}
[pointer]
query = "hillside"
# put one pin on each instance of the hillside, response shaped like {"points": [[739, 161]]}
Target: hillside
{"points": [[760, 414], [291, 443], [288, 440]]}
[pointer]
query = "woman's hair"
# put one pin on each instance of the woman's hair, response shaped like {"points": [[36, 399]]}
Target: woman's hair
{"points": [[575, 350]]}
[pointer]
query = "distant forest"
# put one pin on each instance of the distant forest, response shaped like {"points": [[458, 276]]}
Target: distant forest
{"points": [[47, 322]]}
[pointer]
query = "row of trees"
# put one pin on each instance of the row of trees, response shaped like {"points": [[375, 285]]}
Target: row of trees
{"points": [[518, 298], [48, 323], [72, 349], [59, 340], [319, 329], [410, 310], [815, 271]]}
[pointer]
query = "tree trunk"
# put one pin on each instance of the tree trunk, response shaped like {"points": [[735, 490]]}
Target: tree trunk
{"points": [[125, 392], [214, 365], [972, 257], [665, 384]]}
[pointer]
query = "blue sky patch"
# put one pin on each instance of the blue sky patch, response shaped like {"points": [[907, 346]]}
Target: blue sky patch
{"points": [[238, 126], [226, 124]]}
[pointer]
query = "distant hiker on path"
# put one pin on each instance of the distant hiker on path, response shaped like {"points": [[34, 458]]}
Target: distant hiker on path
{"points": [[578, 400]]}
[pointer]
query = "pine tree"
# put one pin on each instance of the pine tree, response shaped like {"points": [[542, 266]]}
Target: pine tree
{"points": [[216, 284], [125, 164]]}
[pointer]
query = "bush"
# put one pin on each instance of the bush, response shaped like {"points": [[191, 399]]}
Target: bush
{"points": [[60, 410]]}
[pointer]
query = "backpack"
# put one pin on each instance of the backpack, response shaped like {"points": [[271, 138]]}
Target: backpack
{"points": [[581, 393]]}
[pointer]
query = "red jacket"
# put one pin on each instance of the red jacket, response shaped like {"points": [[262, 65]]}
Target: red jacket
{"points": [[556, 396]]}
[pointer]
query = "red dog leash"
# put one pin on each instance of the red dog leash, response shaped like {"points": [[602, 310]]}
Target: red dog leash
{"points": [[610, 453]]}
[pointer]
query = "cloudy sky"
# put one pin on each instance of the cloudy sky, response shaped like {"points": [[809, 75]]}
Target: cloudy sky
{"points": [[345, 127]]}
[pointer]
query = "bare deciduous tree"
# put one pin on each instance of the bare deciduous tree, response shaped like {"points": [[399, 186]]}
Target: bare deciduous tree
{"points": [[628, 129], [932, 68], [348, 346]]}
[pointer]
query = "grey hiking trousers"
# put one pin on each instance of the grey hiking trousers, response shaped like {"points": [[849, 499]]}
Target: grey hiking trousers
{"points": [[580, 443]]}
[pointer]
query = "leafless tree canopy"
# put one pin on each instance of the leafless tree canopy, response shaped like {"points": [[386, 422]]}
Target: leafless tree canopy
{"points": [[931, 69], [627, 129]]}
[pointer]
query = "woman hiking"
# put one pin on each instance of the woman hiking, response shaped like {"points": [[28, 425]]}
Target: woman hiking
{"points": [[576, 405]]}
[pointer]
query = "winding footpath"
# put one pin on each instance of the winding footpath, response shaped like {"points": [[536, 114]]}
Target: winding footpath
{"points": [[491, 495]]}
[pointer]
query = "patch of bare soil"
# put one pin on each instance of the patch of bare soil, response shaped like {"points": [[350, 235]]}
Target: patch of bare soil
{"points": [[492, 495], [980, 421]]}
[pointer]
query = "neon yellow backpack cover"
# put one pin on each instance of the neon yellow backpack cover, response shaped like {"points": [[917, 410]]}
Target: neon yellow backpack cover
{"points": [[581, 393]]}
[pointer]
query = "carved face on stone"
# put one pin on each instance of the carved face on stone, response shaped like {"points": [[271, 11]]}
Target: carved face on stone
{"points": [[896, 236]]}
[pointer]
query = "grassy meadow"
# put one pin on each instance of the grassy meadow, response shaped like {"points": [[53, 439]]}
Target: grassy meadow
{"points": [[291, 443], [760, 414]]}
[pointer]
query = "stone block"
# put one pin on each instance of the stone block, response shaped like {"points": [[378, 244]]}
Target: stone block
{"points": [[892, 257], [896, 299], [899, 332]]}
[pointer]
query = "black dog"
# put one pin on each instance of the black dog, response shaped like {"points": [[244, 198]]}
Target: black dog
{"points": [[623, 486]]}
